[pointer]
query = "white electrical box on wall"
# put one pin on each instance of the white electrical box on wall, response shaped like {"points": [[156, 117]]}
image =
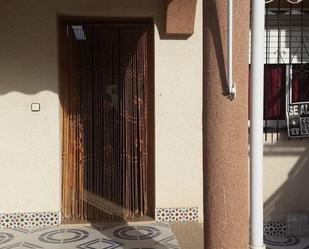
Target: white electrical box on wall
{"points": [[35, 107]]}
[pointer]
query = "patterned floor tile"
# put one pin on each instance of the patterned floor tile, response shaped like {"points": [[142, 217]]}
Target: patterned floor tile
{"points": [[287, 242], [96, 236]]}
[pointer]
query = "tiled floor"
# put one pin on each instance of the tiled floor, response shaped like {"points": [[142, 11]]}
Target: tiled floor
{"points": [[121, 236], [111, 236], [190, 235], [272, 242]]}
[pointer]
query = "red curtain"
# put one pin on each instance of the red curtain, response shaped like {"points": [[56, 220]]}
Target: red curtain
{"points": [[300, 82], [274, 92]]}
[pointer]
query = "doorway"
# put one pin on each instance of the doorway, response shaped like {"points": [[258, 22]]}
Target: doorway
{"points": [[106, 93]]}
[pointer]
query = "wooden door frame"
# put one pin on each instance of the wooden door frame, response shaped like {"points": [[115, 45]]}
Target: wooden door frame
{"points": [[62, 21]]}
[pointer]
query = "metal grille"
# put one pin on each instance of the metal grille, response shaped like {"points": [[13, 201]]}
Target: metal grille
{"points": [[286, 58]]}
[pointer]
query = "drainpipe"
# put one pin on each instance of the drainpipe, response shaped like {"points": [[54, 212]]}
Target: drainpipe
{"points": [[256, 123], [231, 84]]}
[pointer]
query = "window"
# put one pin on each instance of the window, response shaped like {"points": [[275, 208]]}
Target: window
{"points": [[286, 58]]}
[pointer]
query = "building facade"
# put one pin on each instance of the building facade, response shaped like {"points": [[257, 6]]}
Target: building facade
{"points": [[31, 145], [191, 113]]}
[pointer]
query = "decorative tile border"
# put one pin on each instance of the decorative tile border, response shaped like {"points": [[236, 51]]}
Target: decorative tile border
{"points": [[50, 219], [275, 229], [44, 219], [165, 215], [176, 214]]}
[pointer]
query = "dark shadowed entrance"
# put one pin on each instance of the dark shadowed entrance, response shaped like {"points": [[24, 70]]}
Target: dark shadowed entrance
{"points": [[107, 140]]}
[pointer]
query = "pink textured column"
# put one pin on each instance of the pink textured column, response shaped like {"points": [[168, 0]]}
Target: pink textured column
{"points": [[225, 126]]}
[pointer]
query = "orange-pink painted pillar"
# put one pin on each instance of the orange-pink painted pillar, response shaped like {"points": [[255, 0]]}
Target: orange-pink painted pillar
{"points": [[225, 126]]}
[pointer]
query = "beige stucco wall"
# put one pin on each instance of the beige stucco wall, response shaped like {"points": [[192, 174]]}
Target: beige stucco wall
{"points": [[286, 171], [30, 176]]}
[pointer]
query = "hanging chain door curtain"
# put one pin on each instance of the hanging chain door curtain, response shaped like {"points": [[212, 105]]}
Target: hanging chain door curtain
{"points": [[104, 79]]}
